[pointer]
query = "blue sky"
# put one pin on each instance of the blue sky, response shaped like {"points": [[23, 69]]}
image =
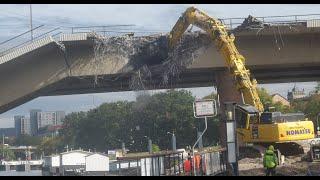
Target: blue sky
{"points": [[14, 19]]}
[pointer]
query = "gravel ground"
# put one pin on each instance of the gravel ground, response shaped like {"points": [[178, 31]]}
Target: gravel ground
{"points": [[251, 164], [293, 166]]}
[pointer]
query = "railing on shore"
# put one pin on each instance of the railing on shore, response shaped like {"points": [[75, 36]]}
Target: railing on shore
{"points": [[169, 164]]}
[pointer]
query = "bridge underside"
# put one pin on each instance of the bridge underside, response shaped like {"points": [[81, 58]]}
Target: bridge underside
{"points": [[187, 79], [71, 65]]}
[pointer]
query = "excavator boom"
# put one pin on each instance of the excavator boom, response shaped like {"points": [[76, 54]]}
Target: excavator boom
{"points": [[225, 44]]}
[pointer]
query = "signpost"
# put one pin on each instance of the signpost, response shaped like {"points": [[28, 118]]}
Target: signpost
{"points": [[232, 146], [203, 109]]}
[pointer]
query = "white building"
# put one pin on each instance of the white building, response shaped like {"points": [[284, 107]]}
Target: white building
{"points": [[51, 161], [74, 158], [51, 164], [97, 162]]}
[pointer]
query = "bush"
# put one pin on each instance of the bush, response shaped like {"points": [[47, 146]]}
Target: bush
{"points": [[155, 148]]}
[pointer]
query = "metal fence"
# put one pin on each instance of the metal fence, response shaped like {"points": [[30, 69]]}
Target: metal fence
{"points": [[170, 164]]}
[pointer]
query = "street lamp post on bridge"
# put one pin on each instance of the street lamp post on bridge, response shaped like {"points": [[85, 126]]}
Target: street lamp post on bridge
{"points": [[149, 144], [173, 141]]}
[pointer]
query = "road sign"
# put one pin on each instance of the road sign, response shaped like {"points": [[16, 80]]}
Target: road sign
{"points": [[204, 108]]}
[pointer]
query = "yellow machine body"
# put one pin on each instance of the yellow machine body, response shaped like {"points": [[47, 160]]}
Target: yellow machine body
{"points": [[277, 132]]}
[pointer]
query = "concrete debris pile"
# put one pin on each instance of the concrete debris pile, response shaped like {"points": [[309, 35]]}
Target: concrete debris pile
{"points": [[126, 48], [140, 54], [184, 53], [251, 23]]}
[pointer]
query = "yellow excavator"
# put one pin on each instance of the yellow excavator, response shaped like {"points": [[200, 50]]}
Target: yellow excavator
{"points": [[254, 124]]}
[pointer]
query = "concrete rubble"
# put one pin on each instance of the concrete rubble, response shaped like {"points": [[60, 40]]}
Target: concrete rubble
{"points": [[145, 57], [146, 52], [251, 23]]}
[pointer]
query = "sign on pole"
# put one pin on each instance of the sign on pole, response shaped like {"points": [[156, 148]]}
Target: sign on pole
{"points": [[205, 108]]}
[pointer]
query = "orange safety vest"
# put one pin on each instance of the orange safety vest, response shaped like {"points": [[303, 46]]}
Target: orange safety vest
{"points": [[197, 161], [187, 165]]}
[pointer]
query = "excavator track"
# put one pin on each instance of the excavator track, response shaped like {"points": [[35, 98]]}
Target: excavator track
{"points": [[286, 149]]}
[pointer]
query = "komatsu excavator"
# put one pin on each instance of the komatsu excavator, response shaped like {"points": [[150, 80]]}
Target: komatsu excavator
{"points": [[254, 124]]}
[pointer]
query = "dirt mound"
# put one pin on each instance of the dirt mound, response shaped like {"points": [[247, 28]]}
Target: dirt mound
{"points": [[293, 166], [248, 152]]}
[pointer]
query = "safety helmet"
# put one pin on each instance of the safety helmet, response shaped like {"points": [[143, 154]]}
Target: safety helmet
{"points": [[271, 148]]}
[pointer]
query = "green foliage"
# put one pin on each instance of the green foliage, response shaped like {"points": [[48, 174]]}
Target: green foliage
{"points": [[27, 140], [6, 153], [266, 100], [211, 96], [50, 146], [265, 97], [312, 107], [112, 123], [155, 148]]}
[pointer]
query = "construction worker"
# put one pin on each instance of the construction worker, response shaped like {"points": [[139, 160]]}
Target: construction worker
{"points": [[187, 166], [270, 161], [197, 163]]}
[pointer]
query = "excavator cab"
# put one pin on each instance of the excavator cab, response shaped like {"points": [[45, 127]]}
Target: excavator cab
{"points": [[246, 115]]}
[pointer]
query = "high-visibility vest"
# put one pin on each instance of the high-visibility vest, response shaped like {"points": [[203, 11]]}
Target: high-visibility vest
{"points": [[197, 161], [187, 165]]}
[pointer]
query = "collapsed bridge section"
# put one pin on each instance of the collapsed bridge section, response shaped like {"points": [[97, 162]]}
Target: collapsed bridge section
{"points": [[88, 63]]}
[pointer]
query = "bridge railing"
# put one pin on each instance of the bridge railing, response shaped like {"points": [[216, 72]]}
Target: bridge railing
{"points": [[43, 31], [116, 30], [24, 38], [232, 23]]}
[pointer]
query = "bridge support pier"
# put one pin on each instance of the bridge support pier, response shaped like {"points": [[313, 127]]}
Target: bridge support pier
{"points": [[227, 93]]}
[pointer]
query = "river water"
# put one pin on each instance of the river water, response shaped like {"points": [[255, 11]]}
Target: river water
{"points": [[21, 173]]}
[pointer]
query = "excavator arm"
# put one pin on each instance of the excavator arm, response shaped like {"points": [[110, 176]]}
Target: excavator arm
{"points": [[225, 44]]}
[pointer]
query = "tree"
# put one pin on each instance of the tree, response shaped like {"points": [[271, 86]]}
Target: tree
{"points": [[110, 124], [71, 128], [312, 107], [50, 146], [6, 153], [27, 140], [211, 96], [266, 100], [265, 97], [155, 148]]}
